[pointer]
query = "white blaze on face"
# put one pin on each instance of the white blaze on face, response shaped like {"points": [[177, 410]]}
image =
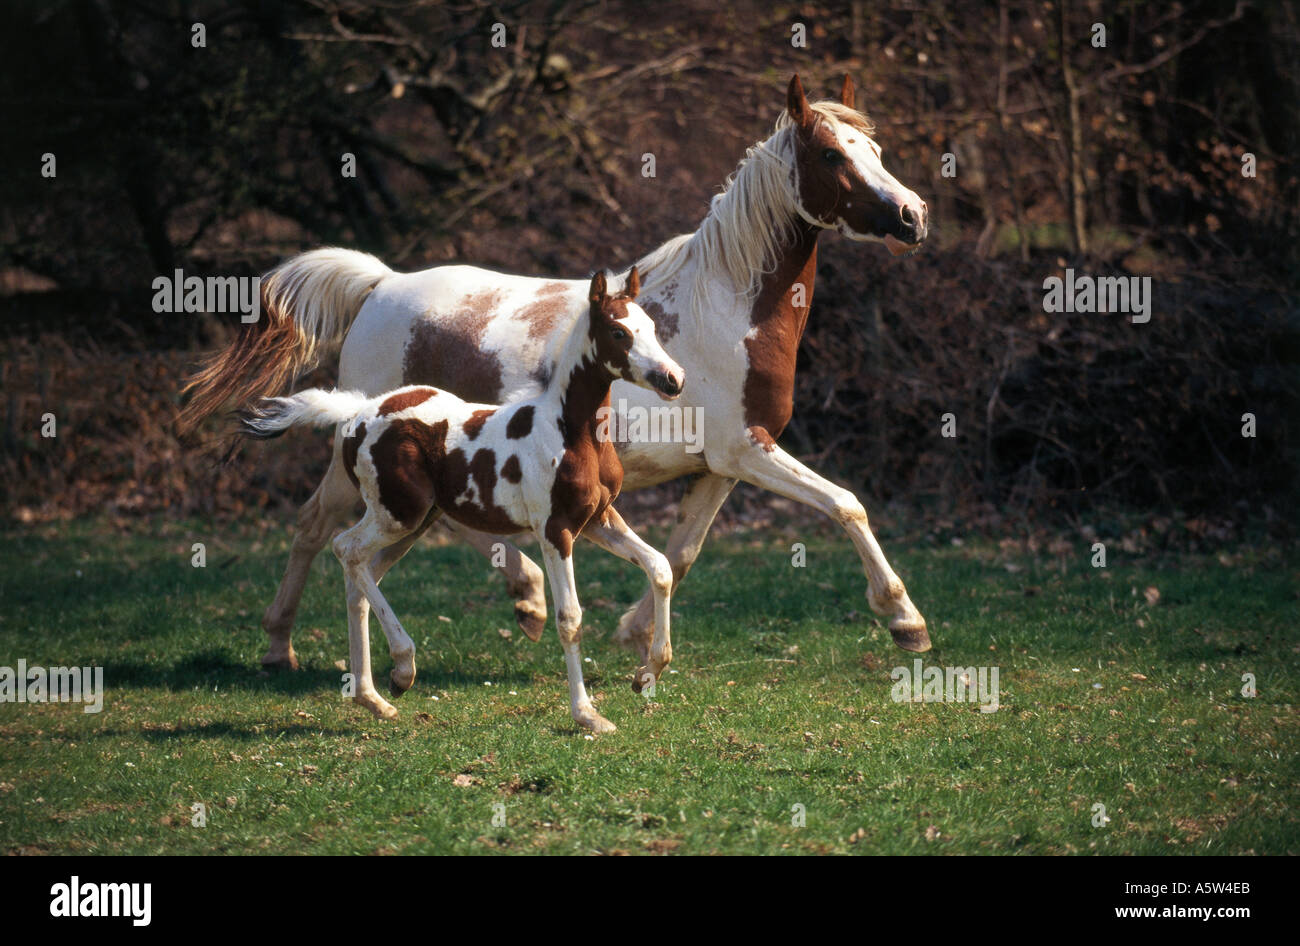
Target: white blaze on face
{"points": [[864, 155], [647, 355]]}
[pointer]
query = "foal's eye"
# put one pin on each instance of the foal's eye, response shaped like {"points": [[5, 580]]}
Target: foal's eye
{"points": [[617, 334], [831, 156]]}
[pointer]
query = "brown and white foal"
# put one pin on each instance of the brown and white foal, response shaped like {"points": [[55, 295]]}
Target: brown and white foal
{"points": [[541, 465]]}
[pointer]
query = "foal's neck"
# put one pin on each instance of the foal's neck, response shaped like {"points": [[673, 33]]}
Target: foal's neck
{"points": [[579, 385]]}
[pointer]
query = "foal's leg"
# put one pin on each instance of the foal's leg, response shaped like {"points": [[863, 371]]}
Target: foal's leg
{"points": [[327, 509], [365, 693], [700, 504], [568, 621], [614, 536], [524, 579], [356, 549], [400, 678], [760, 462]]}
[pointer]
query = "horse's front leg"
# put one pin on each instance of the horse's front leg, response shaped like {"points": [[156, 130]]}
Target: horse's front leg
{"points": [[616, 537], [758, 460], [568, 621], [704, 497]]}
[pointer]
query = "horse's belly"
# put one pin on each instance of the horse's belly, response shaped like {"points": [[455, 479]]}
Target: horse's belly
{"points": [[648, 464]]}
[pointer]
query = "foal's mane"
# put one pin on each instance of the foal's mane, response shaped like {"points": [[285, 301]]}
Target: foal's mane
{"points": [[750, 221]]}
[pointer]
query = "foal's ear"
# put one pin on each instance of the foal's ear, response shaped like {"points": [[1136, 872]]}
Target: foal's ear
{"points": [[797, 103], [633, 284], [598, 288], [846, 91]]}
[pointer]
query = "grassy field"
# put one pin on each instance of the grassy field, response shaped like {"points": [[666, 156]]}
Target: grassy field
{"points": [[781, 697]]}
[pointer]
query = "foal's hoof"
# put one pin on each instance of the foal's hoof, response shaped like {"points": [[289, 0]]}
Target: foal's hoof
{"points": [[395, 685], [595, 722], [910, 634], [380, 707], [643, 678]]}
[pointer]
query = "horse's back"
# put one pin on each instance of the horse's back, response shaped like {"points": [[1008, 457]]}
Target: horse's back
{"points": [[472, 331]]}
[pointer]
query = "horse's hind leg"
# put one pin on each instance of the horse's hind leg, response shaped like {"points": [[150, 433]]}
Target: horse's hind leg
{"points": [[524, 579], [704, 497], [327, 509]]}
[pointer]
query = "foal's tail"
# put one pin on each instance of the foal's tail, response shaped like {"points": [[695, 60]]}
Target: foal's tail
{"points": [[308, 304], [315, 407]]}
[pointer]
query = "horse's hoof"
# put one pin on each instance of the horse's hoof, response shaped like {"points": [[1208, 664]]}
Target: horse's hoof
{"points": [[280, 660], [911, 635], [530, 623], [396, 687]]}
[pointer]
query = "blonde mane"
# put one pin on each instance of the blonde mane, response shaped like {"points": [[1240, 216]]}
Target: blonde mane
{"points": [[749, 222]]}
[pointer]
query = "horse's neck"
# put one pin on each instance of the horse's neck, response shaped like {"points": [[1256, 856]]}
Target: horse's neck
{"points": [[774, 310], [579, 385], [772, 313]]}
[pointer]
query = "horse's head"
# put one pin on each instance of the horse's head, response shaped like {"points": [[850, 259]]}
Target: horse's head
{"points": [[840, 182], [625, 339]]}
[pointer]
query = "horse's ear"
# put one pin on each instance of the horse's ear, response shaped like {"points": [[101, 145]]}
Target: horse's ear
{"points": [[797, 103], [633, 284], [846, 91], [598, 288]]}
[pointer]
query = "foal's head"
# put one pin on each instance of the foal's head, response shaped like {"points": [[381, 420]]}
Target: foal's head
{"points": [[841, 183], [625, 339]]}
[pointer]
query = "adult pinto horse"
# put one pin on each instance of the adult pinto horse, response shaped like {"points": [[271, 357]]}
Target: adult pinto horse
{"points": [[730, 302]]}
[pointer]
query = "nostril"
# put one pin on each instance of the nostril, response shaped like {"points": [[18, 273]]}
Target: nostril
{"points": [[906, 213]]}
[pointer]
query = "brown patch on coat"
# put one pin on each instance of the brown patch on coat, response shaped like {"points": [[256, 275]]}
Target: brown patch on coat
{"points": [[474, 425], [406, 399], [768, 394], [511, 471], [351, 445], [665, 322], [763, 438], [452, 480], [520, 423], [415, 472], [546, 310], [405, 456], [448, 354]]}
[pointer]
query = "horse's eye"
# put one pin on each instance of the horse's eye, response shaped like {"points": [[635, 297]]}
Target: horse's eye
{"points": [[831, 156], [617, 334]]}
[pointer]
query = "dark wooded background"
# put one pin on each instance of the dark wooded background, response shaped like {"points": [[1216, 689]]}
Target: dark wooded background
{"points": [[1117, 160]]}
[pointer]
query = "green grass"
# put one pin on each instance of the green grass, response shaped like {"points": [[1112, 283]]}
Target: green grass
{"points": [[781, 698]]}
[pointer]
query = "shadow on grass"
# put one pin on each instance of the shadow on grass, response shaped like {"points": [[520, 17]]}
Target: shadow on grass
{"points": [[208, 669], [249, 731]]}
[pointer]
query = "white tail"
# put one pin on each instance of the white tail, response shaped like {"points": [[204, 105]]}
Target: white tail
{"points": [[308, 303], [323, 289], [315, 407]]}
